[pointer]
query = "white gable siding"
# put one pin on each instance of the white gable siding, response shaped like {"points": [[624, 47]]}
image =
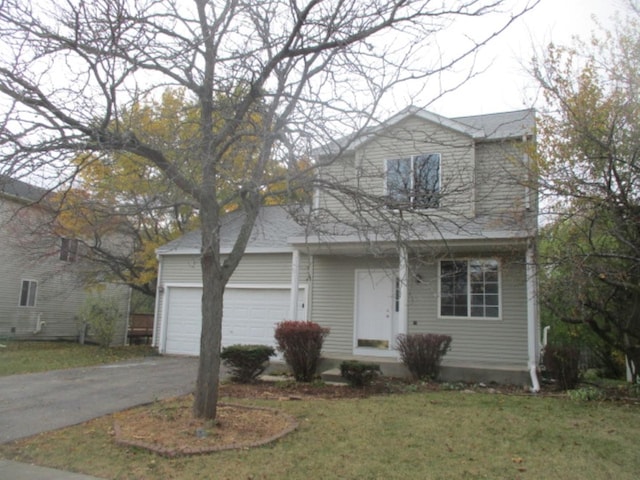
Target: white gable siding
{"points": [[412, 136]]}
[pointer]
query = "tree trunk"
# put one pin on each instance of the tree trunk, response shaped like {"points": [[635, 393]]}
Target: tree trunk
{"points": [[206, 394]]}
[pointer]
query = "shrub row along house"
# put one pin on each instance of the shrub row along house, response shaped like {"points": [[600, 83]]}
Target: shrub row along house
{"points": [[422, 224], [42, 275]]}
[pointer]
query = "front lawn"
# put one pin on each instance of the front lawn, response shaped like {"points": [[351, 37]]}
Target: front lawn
{"points": [[30, 357], [424, 435]]}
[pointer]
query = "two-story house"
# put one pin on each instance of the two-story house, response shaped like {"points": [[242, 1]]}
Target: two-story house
{"points": [[42, 286], [423, 224]]}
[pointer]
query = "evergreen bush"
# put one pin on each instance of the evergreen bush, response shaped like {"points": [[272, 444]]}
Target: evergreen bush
{"points": [[246, 362]]}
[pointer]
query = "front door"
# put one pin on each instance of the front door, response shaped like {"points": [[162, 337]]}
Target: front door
{"points": [[376, 315]]}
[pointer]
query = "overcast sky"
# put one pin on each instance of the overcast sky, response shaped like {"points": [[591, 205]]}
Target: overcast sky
{"points": [[505, 85]]}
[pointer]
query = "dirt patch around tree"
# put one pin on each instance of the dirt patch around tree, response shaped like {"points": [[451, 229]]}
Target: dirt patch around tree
{"points": [[168, 428]]}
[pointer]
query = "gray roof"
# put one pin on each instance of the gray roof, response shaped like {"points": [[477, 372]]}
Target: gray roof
{"points": [[21, 190], [492, 126], [502, 125], [273, 226]]}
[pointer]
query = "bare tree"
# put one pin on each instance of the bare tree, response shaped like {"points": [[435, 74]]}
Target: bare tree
{"points": [[311, 69]]}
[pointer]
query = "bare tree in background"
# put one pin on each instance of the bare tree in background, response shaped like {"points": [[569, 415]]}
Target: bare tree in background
{"points": [[311, 69]]}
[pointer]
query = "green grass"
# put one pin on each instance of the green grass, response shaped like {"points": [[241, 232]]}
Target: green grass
{"points": [[30, 357], [443, 435]]}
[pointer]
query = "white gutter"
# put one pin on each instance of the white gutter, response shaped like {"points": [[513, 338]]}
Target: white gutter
{"points": [[156, 317], [532, 317]]}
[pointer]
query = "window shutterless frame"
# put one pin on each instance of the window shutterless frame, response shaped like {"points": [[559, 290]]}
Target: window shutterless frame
{"points": [[28, 292], [470, 289], [413, 182]]}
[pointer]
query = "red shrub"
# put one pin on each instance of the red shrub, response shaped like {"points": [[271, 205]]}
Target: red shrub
{"points": [[422, 353], [301, 342]]}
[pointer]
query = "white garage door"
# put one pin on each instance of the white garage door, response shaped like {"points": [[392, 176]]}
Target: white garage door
{"points": [[249, 317]]}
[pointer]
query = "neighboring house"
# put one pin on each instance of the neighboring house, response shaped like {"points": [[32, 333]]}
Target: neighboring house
{"points": [[423, 225], [41, 283]]}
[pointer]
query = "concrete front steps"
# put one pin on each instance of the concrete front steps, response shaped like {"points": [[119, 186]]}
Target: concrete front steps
{"points": [[449, 372]]}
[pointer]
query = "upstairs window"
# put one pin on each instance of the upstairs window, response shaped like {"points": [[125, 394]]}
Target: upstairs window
{"points": [[470, 288], [413, 182], [28, 293], [68, 249]]}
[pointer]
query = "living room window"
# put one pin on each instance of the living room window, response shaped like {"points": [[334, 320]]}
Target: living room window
{"points": [[413, 182], [28, 292], [68, 249], [470, 288]]}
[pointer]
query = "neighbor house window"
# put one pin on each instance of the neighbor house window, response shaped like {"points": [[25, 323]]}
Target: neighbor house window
{"points": [[470, 288], [68, 249], [28, 293], [413, 182]]}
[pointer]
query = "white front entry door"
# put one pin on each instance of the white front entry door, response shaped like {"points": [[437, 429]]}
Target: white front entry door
{"points": [[376, 309]]}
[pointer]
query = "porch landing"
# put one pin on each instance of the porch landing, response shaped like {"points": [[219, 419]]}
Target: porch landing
{"points": [[449, 371]]}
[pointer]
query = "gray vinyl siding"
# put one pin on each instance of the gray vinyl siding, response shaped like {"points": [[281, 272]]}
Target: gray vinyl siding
{"points": [[60, 291], [254, 269], [332, 296], [501, 179], [476, 341], [413, 136]]}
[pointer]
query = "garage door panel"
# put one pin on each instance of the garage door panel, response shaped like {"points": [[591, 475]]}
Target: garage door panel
{"points": [[249, 317]]}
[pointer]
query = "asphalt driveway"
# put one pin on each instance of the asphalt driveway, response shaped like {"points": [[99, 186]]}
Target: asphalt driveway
{"points": [[38, 402]]}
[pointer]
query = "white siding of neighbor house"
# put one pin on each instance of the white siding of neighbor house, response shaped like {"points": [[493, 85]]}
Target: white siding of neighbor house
{"points": [[475, 341], [60, 291], [254, 269]]}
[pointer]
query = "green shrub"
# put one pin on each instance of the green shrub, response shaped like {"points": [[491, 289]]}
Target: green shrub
{"points": [[587, 394], [561, 361], [101, 313], [422, 353], [246, 362], [359, 374], [301, 343]]}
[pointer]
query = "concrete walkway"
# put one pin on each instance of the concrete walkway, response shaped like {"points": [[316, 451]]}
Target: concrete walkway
{"points": [[40, 402], [21, 471]]}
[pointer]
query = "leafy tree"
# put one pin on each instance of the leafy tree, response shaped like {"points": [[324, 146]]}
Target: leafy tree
{"points": [[122, 208], [268, 79], [589, 158]]}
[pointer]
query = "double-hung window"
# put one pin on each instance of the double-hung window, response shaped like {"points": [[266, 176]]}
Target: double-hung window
{"points": [[68, 249], [413, 182], [470, 288], [28, 292]]}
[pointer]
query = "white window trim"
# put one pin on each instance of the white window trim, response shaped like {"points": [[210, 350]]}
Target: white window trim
{"points": [[71, 251], [35, 296], [469, 317], [412, 158]]}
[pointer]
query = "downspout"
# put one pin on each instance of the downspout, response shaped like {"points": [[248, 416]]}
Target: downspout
{"points": [[39, 324], [156, 317], [532, 316]]}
